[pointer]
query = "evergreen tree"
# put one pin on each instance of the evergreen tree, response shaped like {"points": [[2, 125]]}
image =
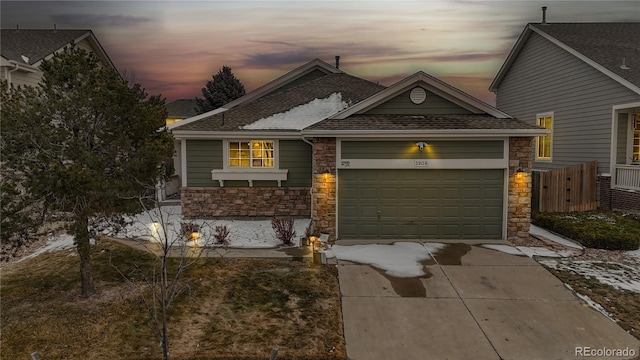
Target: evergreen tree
{"points": [[20, 215], [86, 143], [223, 88]]}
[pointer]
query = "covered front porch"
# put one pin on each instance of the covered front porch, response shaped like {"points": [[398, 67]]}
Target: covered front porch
{"points": [[625, 147]]}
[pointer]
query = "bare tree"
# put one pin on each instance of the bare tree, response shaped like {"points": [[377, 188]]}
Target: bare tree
{"points": [[176, 249]]}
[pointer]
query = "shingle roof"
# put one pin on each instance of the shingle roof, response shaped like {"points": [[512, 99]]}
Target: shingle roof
{"points": [[34, 44], [421, 122], [352, 89], [605, 43], [182, 108]]}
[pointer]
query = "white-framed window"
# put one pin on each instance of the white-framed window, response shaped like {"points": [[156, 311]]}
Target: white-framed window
{"points": [[544, 143], [251, 154]]}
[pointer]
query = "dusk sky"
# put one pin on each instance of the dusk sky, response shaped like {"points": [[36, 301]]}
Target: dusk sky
{"points": [[173, 48]]}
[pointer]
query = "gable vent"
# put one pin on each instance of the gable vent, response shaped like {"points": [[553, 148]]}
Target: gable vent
{"points": [[418, 95]]}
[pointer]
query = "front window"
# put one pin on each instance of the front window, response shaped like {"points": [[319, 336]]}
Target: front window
{"points": [[255, 154], [543, 143]]}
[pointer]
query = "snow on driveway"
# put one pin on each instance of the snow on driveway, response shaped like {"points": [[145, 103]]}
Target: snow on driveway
{"points": [[400, 259]]}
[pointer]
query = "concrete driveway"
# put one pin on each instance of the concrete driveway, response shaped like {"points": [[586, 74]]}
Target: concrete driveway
{"points": [[474, 303]]}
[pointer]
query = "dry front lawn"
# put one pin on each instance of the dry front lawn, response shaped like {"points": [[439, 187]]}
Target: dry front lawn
{"points": [[235, 309]]}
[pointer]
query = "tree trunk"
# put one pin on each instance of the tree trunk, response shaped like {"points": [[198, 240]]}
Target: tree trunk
{"points": [[165, 305], [81, 233]]}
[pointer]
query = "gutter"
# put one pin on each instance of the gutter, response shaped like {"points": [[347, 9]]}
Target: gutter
{"points": [[8, 74], [18, 66], [425, 132]]}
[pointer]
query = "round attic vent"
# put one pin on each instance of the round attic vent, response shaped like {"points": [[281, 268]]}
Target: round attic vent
{"points": [[418, 95]]}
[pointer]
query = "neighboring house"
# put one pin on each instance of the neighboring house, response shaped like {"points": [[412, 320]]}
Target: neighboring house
{"points": [[582, 82], [180, 109], [417, 160], [23, 50]]}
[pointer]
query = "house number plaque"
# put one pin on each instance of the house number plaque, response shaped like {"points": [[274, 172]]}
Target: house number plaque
{"points": [[420, 163]]}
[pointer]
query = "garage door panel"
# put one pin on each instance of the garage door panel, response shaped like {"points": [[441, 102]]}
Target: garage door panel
{"points": [[472, 211], [408, 212], [389, 193], [368, 211], [450, 193], [424, 203], [368, 194]]}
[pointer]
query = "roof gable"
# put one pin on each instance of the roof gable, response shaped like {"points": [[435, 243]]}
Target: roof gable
{"points": [[454, 96], [611, 48], [338, 88], [32, 46], [418, 101], [302, 74], [181, 108]]}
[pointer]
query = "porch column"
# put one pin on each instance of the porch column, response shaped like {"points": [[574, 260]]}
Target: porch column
{"points": [[324, 186], [519, 194]]}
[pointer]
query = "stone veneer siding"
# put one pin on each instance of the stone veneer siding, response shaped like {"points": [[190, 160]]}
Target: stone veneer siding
{"points": [[617, 199], [324, 187], [208, 202], [519, 201]]}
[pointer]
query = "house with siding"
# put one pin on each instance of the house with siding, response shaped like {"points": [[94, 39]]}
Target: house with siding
{"points": [[180, 109], [582, 82], [417, 160], [23, 50]]}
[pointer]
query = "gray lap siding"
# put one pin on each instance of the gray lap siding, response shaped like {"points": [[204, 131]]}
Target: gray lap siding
{"points": [[546, 78]]}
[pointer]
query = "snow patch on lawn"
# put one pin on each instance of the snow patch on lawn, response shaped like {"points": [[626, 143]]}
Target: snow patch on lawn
{"points": [[253, 234], [242, 233], [54, 243], [400, 259], [634, 253], [620, 276], [594, 305], [301, 116]]}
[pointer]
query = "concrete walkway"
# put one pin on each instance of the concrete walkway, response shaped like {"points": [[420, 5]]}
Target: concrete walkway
{"points": [[474, 303]]}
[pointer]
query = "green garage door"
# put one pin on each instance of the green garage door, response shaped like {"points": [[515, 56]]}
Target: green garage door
{"points": [[420, 204]]}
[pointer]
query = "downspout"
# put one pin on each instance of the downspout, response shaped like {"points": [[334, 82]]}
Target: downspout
{"points": [[312, 179], [8, 74]]}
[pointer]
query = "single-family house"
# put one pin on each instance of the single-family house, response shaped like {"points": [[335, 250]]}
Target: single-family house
{"points": [[582, 82], [180, 109], [23, 50], [417, 160]]}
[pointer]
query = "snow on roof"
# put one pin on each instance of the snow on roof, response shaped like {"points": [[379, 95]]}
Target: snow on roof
{"points": [[301, 116]]}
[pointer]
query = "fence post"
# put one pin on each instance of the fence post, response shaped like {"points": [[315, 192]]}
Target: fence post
{"points": [[535, 191]]}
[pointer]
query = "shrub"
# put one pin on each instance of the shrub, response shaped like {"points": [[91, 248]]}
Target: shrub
{"points": [[593, 229], [283, 227], [309, 231], [187, 228], [221, 234]]}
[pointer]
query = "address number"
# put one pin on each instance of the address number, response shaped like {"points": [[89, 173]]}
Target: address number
{"points": [[420, 163]]}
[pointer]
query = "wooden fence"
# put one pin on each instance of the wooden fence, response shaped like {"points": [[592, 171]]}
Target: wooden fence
{"points": [[569, 189]]}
